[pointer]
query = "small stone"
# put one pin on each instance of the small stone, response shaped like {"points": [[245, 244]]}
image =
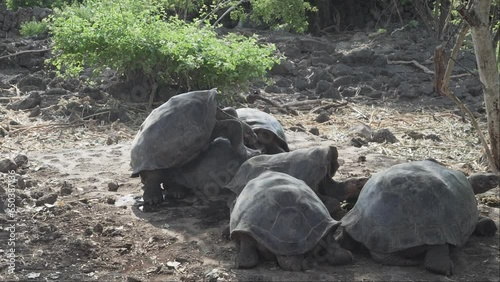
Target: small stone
{"points": [[98, 228], [361, 159], [362, 130], [113, 186], [32, 100], [384, 135], [36, 111], [88, 231], [21, 160], [133, 279], [358, 142], [21, 184], [47, 199], [415, 135], [433, 137], [314, 131], [36, 194], [322, 117], [110, 201], [66, 188], [7, 165]]}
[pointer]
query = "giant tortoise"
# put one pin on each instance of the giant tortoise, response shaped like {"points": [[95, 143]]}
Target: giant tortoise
{"points": [[279, 216], [270, 133], [315, 166], [177, 132], [415, 208]]}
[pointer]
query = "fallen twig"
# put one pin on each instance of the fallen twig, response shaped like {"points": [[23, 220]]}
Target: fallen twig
{"points": [[24, 52], [422, 67], [326, 107], [256, 96]]}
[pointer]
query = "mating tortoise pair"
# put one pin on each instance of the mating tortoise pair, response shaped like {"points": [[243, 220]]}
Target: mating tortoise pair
{"points": [[177, 146]]}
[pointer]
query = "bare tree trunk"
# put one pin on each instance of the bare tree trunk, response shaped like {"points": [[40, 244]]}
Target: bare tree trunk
{"points": [[478, 19]]}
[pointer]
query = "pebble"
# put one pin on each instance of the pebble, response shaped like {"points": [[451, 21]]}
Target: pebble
{"points": [[66, 188], [98, 228], [7, 165], [113, 186], [384, 135], [322, 117], [47, 199], [21, 160], [314, 131]]}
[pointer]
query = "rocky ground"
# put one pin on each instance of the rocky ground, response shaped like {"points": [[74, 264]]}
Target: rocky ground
{"points": [[79, 214]]}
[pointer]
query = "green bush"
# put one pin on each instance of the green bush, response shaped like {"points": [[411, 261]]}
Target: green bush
{"points": [[33, 28], [132, 37], [15, 4]]}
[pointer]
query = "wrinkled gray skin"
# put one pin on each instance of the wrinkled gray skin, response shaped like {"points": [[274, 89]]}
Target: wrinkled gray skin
{"points": [[270, 133], [279, 217], [315, 166], [418, 208], [207, 174], [177, 132]]}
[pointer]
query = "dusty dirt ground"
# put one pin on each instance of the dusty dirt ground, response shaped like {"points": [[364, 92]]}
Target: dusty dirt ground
{"points": [[91, 232]]}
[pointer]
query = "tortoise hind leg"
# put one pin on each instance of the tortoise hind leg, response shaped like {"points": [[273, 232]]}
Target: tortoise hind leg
{"points": [[248, 256], [437, 259], [392, 259], [485, 227], [291, 263]]}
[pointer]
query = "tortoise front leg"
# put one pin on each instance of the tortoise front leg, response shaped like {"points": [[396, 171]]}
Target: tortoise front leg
{"points": [[152, 180], [248, 256], [437, 259]]}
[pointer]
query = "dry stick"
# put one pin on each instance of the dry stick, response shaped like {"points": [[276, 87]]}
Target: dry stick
{"points": [[24, 52], [271, 102], [446, 90], [424, 68], [326, 107]]}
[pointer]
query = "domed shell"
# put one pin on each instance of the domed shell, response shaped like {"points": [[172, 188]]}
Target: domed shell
{"points": [[309, 164], [281, 213], [259, 120], [175, 132], [413, 204]]}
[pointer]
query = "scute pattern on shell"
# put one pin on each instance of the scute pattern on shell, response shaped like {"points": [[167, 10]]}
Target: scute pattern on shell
{"points": [[258, 119], [175, 132], [413, 204], [309, 164], [282, 213]]}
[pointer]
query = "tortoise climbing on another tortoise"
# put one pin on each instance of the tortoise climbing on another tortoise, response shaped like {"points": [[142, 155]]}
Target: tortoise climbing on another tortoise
{"points": [[416, 208], [279, 217], [315, 166], [208, 173], [270, 133], [177, 132]]}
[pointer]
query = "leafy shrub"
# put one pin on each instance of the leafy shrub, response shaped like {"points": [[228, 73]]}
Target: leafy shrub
{"points": [[132, 37], [33, 28], [15, 4], [289, 14]]}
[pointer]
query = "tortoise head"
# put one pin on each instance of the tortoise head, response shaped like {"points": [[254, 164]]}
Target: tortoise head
{"points": [[482, 182]]}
